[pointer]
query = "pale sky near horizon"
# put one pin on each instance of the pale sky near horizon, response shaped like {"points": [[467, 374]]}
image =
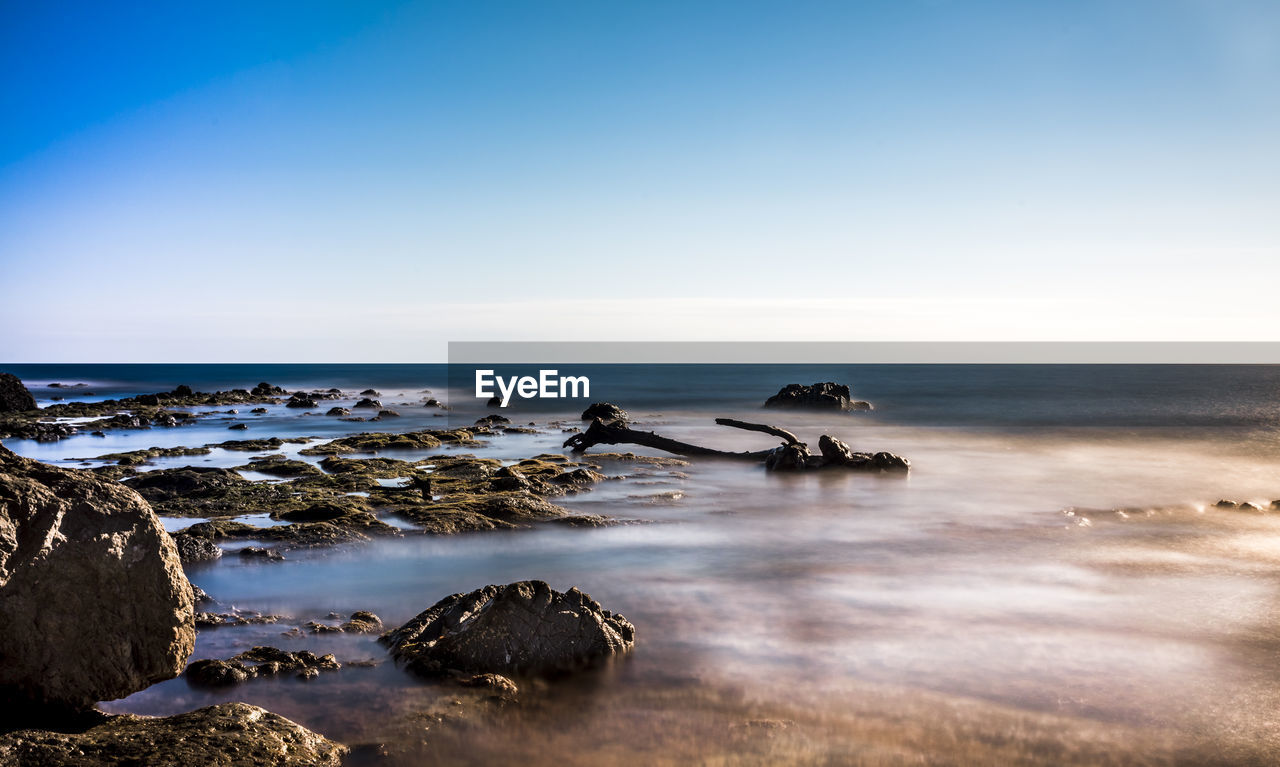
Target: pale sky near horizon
{"points": [[368, 181]]}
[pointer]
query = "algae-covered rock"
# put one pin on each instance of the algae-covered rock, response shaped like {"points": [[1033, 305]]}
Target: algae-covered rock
{"points": [[226, 734]]}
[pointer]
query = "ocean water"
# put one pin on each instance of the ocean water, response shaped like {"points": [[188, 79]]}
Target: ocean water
{"points": [[1051, 584]]}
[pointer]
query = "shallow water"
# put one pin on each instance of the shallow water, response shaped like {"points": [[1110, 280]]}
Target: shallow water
{"points": [[1039, 589]]}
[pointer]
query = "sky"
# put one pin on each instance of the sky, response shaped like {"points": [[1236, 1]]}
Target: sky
{"points": [[365, 182]]}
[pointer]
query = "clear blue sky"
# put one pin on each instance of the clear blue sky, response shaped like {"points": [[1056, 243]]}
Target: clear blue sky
{"points": [[366, 181]]}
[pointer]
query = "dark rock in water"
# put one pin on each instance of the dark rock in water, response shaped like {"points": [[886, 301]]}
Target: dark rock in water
{"points": [[370, 393], [494, 401], [93, 601], [338, 411], [14, 397], [283, 467], [225, 734], [388, 414], [837, 453], [238, 426], [496, 684], [362, 622], [524, 628], [605, 411], [259, 410], [300, 401], [1226, 504], [258, 662], [433, 402], [490, 420], [369, 403], [192, 549], [819, 396], [578, 477], [265, 389], [185, 482], [788, 457], [257, 552], [182, 391], [148, 399]]}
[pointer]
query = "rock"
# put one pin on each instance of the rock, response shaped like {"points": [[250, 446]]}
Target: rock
{"points": [[225, 734], [258, 662], [370, 393], [497, 684], [369, 403], [491, 420], [837, 453], [258, 552], [338, 411], [297, 401], [192, 549], [834, 451], [265, 389], [522, 628], [14, 397], [362, 622], [259, 410], [1226, 504], [819, 396], [494, 401], [185, 482], [788, 458], [238, 426], [93, 601], [605, 411], [388, 414]]}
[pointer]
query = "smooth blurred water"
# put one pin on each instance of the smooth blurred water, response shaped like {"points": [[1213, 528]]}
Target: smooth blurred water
{"points": [[1053, 555]]}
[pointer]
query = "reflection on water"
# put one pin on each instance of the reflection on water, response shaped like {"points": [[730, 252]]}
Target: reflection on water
{"points": [[1048, 595]]}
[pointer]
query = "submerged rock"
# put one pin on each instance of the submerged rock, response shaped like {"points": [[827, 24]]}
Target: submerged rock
{"points": [[369, 403], [336, 411], [14, 397], [93, 601], [819, 396], [524, 628], [260, 661], [362, 622], [185, 482], [192, 549], [225, 734], [837, 453], [605, 411]]}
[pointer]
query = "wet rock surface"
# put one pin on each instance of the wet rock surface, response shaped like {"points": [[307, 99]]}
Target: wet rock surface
{"points": [[819, 396], [93, 601], [605, 411], [225, 734], [259, 662], [521, 628]]}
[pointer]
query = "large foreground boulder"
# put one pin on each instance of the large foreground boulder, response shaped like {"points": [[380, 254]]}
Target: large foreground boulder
{"points": [[14, 397], [520, 628], [93, 601], [226, 734], [819, 396]]}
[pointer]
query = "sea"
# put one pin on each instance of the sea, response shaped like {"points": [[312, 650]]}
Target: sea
{"points": [[1053, 582]]}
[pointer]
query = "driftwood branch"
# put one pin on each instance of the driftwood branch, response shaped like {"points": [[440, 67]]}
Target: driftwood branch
{"points": [[616, 433], [774, 430], [791, 455]]}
